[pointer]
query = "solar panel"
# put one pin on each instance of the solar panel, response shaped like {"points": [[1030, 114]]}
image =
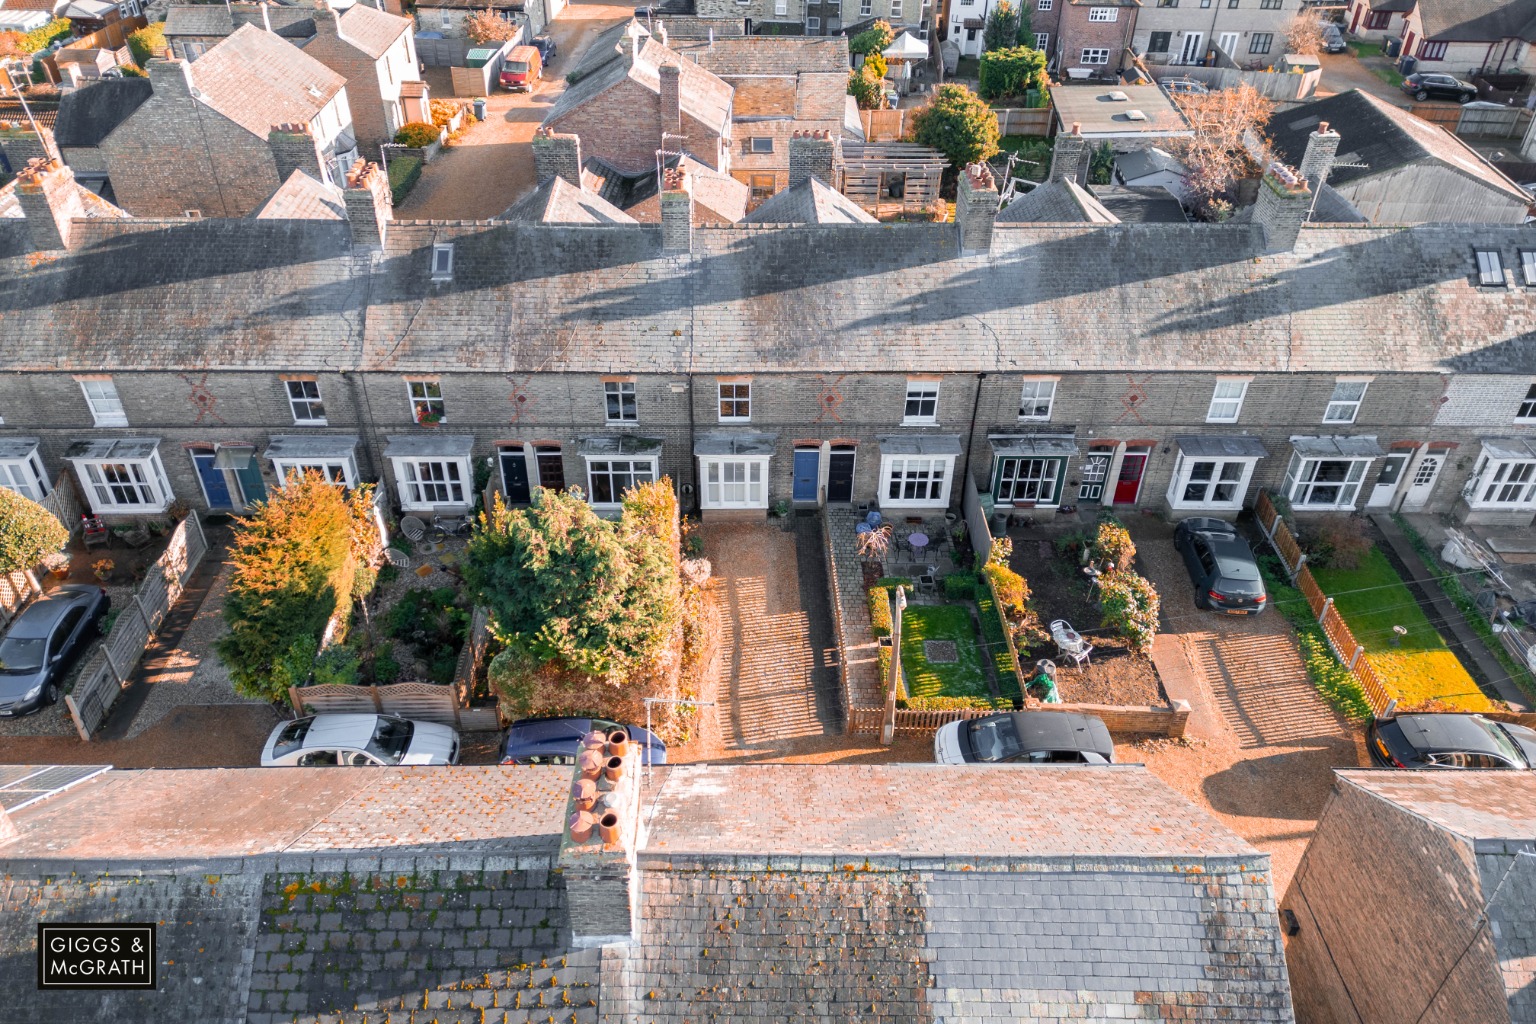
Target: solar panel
{"points": [[24, 784]]}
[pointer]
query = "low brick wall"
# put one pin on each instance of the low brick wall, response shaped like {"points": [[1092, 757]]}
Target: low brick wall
{"points": [[1132, 720]]}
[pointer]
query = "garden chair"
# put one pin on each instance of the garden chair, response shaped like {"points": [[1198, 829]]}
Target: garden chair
{"points": [[1070, 644], [413, 528], [95, 532]]}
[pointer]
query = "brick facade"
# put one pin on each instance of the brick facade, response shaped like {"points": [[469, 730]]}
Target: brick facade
{"points": [[623, 126], [373, 85], [1072, 30]]}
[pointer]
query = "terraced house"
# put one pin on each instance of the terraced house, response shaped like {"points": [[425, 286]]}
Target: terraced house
{"points": [[1167, 367]]}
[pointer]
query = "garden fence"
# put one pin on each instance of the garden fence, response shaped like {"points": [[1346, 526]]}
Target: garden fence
{"points": [[1126, 720], [1025, 120], [111, 665]]}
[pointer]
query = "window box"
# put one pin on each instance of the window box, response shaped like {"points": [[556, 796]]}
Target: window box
{"points": [[122, 475], [432, 472], [21, 468], [1505, 477]]}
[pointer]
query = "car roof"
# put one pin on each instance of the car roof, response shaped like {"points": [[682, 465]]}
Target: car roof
{"points": [[1062, 730], [1438, 733], [328, 731], [42, 615], [1234, 558], [545, 730]]}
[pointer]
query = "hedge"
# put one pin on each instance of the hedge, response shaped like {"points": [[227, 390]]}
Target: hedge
{"points": [[42, 38], [404, 173], [952, 703], [418, 135], [879, 611]]}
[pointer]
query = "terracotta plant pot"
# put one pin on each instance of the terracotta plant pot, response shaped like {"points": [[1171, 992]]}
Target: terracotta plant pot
{"points": [[618, 743], [614, 770], [590, 762], [608, 827], [582, 823], [585, 794]]}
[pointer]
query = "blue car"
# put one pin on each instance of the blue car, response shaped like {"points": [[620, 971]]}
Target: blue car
{"points": [[558, 740]]}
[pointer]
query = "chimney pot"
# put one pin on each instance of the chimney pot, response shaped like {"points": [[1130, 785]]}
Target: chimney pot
{"points": [[50, 202], [369, 204], [976, 208]]}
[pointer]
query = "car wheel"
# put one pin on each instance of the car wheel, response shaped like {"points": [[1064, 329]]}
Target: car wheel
{"points": [[1421, 95], [1468, 97], [51, 695]]}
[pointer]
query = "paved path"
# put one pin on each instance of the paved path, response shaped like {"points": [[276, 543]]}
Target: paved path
{"points": [[491, 166], [779, 681]]}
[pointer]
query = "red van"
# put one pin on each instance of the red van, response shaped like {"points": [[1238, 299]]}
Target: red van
{"points": [[522, 67]]}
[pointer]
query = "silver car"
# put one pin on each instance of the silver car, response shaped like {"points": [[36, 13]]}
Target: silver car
{"points": [[44, 641], [359, 740]]}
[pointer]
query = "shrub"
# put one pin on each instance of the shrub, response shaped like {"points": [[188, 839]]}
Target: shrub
{"points": [[336, 664], [875, 65], [488, 27], [1011, 72], [1112, 543], [873, 39], [958, 124], [894, 581], [1002, 28], [147, 42], [417, 134], [951, 703], [385, 668], [443, 112], [27, 532], [960, 585], [880, 611], [1130, 605], [1336, 542], [864, 88], [404, 173], [1009, 588], [44, 37]]}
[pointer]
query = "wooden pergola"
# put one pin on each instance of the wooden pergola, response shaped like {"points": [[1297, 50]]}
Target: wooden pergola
{"points": [[887, 178]]}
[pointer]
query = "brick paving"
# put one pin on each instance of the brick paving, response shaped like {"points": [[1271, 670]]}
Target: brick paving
{"points": [[779, 676]]}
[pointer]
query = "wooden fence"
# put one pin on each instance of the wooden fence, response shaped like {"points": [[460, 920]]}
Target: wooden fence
{"points": [[111, 665], [1025, 120], [1170, 721]]}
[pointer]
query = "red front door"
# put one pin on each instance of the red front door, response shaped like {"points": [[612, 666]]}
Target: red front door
{"points": [[1128, 485], [1355, 24]]}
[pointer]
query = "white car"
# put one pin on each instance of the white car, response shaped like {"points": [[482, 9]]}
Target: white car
{"points": [[1025, 737], [332, 740]]}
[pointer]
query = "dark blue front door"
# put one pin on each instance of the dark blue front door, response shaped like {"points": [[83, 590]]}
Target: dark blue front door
{"points": [[807, 467], [215, 487]]}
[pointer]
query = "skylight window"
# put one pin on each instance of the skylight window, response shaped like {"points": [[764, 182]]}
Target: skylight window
{"points": [[442, 261], [1490, 268]]}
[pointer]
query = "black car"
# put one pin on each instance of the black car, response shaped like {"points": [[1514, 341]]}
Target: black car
{"points": [[1221, 565], [1423, 86], [546, 47], [1025, 737], [1450, 741], [44, 641], [558, 740]]}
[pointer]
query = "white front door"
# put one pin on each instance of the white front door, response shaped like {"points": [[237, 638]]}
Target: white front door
{"points": [[1423, 482], [1228, 43], [1386, 481], [1194, 48]]}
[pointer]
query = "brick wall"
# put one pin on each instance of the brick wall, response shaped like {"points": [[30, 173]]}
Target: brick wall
{"points": [[369, 123], [623, 126], [1072, 32]]}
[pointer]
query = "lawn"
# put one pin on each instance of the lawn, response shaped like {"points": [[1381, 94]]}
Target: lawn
{"points": [[964, 677], [1388, 75], [1365, 49], [1372, 600]]}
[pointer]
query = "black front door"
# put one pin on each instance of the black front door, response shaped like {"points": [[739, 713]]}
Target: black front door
{"points": [[514, 476], [840, 476]]}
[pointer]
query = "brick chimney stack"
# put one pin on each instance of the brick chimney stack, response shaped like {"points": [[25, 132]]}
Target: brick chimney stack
{"points": [[369, 204], [676, 211], [556, 155], [976, 208], [671, 99], [1322, 146], [170, 76], [1069, 155], [50, 202], [293, 148], [814, 154], [1283, 205], [598, 849]]}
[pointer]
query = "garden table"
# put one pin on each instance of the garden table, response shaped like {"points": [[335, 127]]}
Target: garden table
{"points": [[919, 541]]}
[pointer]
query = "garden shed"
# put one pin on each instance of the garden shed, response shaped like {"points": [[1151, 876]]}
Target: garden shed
{"points": [[891, 178]]}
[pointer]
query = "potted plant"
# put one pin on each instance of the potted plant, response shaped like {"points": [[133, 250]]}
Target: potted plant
{"points": [[103, 567], [428, 417], [57, 564]]}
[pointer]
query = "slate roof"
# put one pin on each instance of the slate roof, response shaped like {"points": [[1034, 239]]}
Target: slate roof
{"points": [[1139, 163], [258, 80], [258, 294], [1145, 205], [199, 20], [717, 198], [767, 55], [1056, 202], [1478, 20], [96, 208], [701, 94], [303, 198], [557, 201], [1380, 136], [88, 115], [371, 30], [809, 202]]}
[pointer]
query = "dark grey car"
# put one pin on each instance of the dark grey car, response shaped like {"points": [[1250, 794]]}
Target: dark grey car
{"points": [[1221, 565], [44, 641]]}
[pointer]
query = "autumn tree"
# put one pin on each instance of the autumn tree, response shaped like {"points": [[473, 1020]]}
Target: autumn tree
{"points": [[874, 39], [865, 89], [27, 533], [1304, 35], [488, 27], [958, 124], [293, 565], [1227, 135]]}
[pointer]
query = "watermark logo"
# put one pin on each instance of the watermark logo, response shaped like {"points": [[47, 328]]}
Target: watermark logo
{"points": [[96, 956]]}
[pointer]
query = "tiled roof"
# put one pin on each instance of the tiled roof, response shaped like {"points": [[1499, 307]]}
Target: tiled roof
{"points": [[88, 115], [768, 55], [371, 30], [199, 20], [557, 201], [1143, 205], [96, 208], [1382, 137], [717, 198], [810, 202], [1056, 202], [701, 95], [1478, 21], [1474, 805], [303, 198], [258, 81], [825, 298]]}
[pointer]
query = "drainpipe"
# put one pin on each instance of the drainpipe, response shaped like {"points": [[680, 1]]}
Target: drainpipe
{"points": [[970, 438], [693, 462]]}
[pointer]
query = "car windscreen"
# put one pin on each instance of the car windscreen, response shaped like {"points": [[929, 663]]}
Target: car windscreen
{"points": [[291, 738], [994, 738], [1507, 747], [518, 66], [390, 738], [22, 654]]}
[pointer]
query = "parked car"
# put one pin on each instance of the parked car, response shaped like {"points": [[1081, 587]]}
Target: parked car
{"points": [[1333, 37], [1221, 565], [521, 69], [558, 740], [44, 641], [1450, 741], [357, 740], [1025, 737], [1423, 86], [546, 47]]}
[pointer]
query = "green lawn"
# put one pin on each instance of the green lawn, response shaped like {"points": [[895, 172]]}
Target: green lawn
{"points": [[996, 641], [1365, 49], [1388, 75], [966, 677], [1372, 599]]}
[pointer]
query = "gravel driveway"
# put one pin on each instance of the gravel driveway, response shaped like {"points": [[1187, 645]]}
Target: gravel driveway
{"points": [[1262, 744]]}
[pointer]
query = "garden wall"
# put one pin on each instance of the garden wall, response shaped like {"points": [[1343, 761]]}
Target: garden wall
{"points": [[857, 662]]}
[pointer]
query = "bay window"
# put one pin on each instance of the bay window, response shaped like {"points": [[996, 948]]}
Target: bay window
{"points": [[331, 456], [122, 475], [432, 472], [615, 464], [734, 483], [1030, 469], [1505, 477], [916, 469], [21, 470], [1213, 471]]}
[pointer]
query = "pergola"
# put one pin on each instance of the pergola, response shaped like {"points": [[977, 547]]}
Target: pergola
{"points": [[891, 177]]}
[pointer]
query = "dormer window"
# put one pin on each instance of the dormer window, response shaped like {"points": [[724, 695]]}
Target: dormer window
{"points": [[442, 261], [1490, 268]]}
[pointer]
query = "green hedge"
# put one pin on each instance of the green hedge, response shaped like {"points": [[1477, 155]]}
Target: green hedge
{"points": [[951, 703], [879, 611], [42, 38], [1329, 676], [404, 173], [961, 585]]}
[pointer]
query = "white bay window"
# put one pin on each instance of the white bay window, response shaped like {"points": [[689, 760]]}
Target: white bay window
{"points": [[615, 464], [122, 475], [917, 471], [1212, 471], [432, 472], [331, 456], [1326, 472], [1505, 476], [21, 469], [733, 469]]}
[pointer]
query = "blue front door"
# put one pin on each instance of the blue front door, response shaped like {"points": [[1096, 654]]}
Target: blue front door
{"points": [[807, 467], [215, 487]]}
